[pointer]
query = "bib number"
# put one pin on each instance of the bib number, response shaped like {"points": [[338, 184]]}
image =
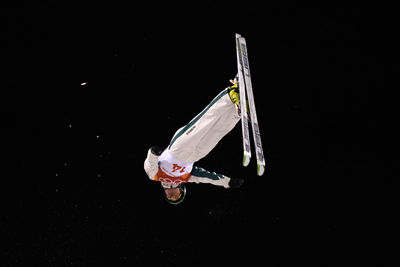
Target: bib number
{"points": [[176, 167]]}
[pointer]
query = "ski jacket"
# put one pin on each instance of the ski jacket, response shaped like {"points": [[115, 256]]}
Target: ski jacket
{"points": [[171, 171]]}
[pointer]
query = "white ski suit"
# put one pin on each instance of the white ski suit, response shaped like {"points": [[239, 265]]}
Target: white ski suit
{"points": [[191, 143]]}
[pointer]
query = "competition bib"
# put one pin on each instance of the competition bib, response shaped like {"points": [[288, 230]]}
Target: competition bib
{"points": [[171, 170]]}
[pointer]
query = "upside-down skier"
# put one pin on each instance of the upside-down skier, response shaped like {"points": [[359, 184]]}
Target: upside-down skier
{"points": [[174, 166]]}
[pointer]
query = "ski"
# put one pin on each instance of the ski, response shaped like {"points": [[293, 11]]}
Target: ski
{"points": [[242, 95], [246, 88]]}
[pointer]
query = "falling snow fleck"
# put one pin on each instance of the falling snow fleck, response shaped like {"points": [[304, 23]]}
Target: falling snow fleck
{"points": [[84, 83]]}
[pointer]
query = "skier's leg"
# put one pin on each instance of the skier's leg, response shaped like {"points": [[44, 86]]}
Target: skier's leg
{"points": [[222, 126], [199, 175], [195, 140]]}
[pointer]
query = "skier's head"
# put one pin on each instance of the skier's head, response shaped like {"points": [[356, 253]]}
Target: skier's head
{"points": [[175, 195]]}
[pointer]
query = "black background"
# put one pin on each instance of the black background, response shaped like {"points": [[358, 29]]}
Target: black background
{"points": [[85, 93]]}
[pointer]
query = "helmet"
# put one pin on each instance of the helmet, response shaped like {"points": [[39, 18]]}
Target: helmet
{"points": [[182, 190]]}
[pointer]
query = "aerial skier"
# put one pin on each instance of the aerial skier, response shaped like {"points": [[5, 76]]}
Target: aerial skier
{"points": [[174, 166]]}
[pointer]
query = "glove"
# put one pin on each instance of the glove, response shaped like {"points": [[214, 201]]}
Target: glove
{"points": [[156, 150], [236, 182]]}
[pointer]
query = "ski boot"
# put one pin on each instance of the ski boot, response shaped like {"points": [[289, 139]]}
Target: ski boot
{"points": [[234, 92], [235, 182], [235, 96]]}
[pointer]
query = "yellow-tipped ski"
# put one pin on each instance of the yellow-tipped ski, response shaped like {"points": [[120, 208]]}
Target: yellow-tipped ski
{"points": [[260, 168], [246, 89], [246, 158]]}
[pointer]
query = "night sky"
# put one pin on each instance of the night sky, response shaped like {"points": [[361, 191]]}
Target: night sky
{"points": [[86, 93]]}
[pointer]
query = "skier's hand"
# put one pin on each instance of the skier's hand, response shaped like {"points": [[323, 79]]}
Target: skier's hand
{"points": [[236, 182], [155, 150]]}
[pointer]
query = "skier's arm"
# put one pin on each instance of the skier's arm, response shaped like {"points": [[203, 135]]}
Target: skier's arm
{"points": [[200, 175], [151, 162]]}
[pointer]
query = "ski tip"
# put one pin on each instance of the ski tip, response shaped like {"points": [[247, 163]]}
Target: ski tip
{"points": [[260, 169], [246, 159]]}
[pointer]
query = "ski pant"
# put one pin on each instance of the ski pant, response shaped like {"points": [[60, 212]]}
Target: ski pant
{"points": [[195, 140]]}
